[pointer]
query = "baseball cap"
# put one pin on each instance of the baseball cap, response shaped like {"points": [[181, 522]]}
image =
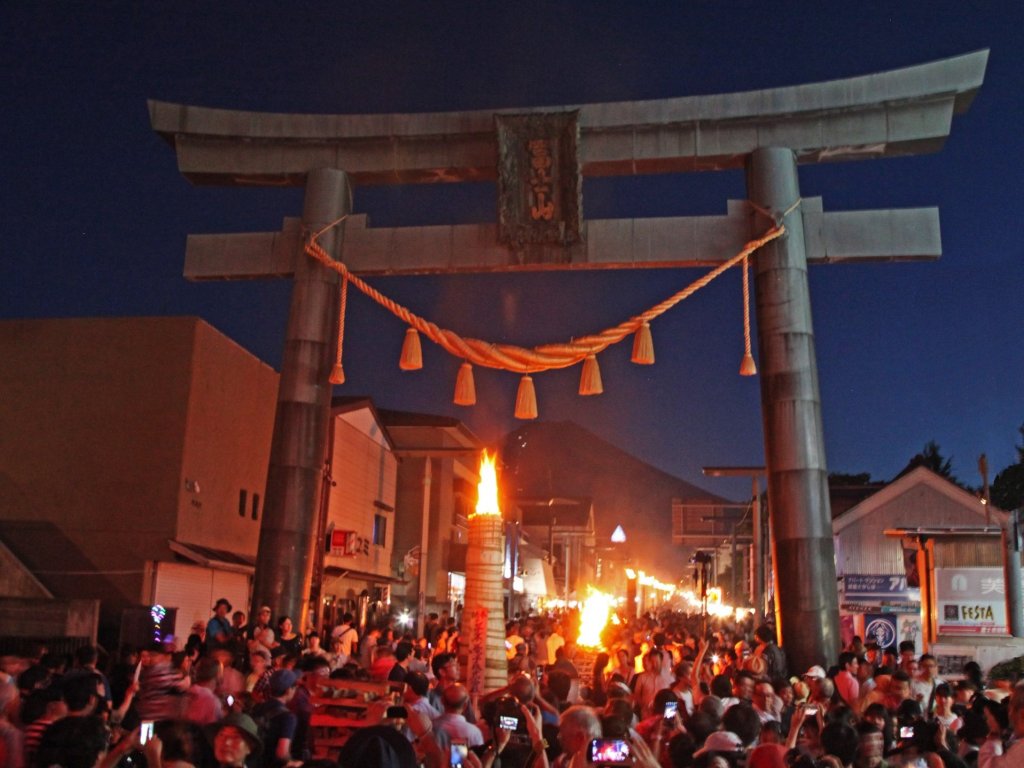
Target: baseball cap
{"points": [[815, 671], [720, 741], [281, 681]]}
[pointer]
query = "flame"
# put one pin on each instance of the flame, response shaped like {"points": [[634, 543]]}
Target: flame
{"points": [[487, 490], [594, 618]]}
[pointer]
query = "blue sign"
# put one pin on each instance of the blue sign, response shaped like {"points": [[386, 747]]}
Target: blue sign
{"points": [[874, 584]]}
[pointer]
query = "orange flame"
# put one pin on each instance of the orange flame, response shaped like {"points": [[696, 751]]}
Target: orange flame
{"points": [[487, 490]]}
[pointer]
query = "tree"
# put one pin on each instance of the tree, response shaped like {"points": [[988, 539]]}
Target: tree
{"points": [[1008, 488], [931, 457]]}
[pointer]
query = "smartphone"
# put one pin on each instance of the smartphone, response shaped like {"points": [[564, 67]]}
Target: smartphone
{"points": [[145, 731], [907, 732], [508, 722], [610, 752], [396, 713], [230, 700], [458, 752], [810, 711], [671, 707]]}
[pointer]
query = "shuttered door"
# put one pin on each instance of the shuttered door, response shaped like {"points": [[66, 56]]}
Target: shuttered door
{"points": [[193, 589]]}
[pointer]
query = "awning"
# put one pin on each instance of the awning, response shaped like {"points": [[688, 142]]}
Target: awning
{"points": [[538, 579], [209, 557]]}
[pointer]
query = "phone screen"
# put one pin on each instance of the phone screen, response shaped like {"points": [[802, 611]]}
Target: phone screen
{"points": [[671, 707], [459, 750], [610, 752], [508, 722], [907, 732], [145, 731]]}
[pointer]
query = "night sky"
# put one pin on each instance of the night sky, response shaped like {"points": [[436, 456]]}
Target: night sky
{"points": [[95, 214]]}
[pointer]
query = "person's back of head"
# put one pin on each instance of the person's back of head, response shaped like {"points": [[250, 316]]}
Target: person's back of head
{"points": [[559, 683], [73, 742], [454, 698], [700, 725], [721, 686], [840, 740], [403, 651], [743, 720], [418, 683], [79, 691], [86, 656], [765, 634], [207, 670]]}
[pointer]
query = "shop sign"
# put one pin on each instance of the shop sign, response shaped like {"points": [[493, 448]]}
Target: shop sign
{"points": [[349, 544], [970, 601]]}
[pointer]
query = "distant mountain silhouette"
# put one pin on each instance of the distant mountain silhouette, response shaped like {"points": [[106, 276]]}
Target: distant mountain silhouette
{"points": [[561, 458]]}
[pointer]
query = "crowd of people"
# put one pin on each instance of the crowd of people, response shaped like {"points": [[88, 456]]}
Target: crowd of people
{"points": [[663, 692]]}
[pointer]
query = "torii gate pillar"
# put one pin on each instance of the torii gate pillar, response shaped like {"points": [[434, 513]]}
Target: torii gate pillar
{"points": [[806, 603], [284, 564]]}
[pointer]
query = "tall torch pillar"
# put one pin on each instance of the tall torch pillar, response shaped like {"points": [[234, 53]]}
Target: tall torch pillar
{"points": [[483, 615]]}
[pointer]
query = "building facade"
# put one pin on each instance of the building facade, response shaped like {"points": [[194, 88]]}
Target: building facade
{"points": [[133, 460]]}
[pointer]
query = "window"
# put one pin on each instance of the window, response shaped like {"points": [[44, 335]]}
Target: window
{"points": [[255, 506], [242, 502], [380, 530]]}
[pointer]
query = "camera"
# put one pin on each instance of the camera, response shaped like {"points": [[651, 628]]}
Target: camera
{"points": [[508, 713], [396, 713]]}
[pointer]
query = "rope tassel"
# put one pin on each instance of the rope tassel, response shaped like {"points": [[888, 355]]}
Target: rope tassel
{"points": [[338, 372], [643, 346], [526, 399], [590, 377], [465, 387], [412, 353]]}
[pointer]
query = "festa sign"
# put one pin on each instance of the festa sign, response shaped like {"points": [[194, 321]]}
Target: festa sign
{"points": [[970, 601]]}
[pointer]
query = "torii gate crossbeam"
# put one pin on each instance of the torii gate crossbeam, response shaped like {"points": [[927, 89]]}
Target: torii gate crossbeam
{"points": [[768, 132]]}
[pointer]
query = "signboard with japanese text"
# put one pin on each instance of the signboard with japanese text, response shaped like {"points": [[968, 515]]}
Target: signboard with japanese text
{"points": [[476, 665], [869, 584], [539, 179], [970, 601]]}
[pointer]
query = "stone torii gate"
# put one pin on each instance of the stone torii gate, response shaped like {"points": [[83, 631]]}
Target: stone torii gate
{"points": [[767, 133]]}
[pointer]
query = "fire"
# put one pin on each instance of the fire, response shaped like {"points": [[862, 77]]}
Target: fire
{"points": [[487, 490], [594, 618]]}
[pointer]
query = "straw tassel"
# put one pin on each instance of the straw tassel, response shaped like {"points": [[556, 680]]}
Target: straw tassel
{"points": [[590, 377], [465, 388], [747, 366], [526, 399], [643, 346], [412, 354], [338, 372]]}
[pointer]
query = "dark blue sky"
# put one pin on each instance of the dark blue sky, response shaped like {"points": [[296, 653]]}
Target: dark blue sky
{"points": [[95, 214]]}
